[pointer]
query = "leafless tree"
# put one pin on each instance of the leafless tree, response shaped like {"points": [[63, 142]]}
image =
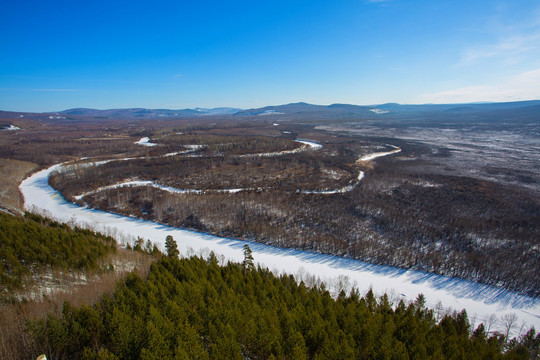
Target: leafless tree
{"points": [[509, 322], [490, 322]]}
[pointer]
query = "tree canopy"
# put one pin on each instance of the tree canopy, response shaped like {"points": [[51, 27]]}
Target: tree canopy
{"points": [[195, 309]]}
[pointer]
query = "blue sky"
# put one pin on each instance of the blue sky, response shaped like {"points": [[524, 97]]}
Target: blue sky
{"points": [[178, 54]]}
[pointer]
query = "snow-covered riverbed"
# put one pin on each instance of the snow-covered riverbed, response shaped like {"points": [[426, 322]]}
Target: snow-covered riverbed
{"points": [[480, 301]]}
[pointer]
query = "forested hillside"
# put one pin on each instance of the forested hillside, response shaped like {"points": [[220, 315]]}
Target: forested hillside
{"points": [[32, 243], [195, 309], [44, 263]]}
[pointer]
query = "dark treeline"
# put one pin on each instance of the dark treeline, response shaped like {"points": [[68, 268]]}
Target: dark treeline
{"points": [[32, 243], [195, 309]]}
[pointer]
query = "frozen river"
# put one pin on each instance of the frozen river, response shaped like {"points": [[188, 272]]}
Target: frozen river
{"points": [[480, 301]]}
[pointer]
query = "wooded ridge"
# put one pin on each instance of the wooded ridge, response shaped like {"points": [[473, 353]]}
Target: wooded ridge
{"points": [[195, 309]]}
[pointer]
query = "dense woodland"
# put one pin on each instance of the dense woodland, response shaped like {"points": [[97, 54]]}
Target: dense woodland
{"points": [[32, 244], [290, 172], [397, 215], [195, 309]]}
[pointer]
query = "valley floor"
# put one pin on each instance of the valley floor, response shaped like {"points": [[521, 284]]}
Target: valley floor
{"points": [[483, 303]]}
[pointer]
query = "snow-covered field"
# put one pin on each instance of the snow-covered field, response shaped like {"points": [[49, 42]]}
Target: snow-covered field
{"points": [[509, 155], [480, 301]]}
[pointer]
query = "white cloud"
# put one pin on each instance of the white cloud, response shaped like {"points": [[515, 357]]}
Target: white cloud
{"points": [[508, 50], [523, 86], [515, 37]]}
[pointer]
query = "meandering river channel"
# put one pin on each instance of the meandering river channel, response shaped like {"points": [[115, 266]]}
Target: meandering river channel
{"points": [[480, 301]]}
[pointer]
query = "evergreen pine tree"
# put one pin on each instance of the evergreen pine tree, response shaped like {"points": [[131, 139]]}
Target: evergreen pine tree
{"points": [[172, 247], [248, 259]]}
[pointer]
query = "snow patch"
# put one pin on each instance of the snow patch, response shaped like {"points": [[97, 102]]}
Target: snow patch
{"points": [[312, 144], [343, 190], [270, 112], [334, 175], [11, 128], [379, 111], [426, 184], [145, 141], [191, 149], [369, 157]]}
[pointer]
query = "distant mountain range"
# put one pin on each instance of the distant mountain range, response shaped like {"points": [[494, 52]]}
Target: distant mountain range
{"points": [[460, 107], [524, 109], [149, 113], [301, 109]]}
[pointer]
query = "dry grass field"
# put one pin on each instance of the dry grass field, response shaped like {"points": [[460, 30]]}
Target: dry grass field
{"points": [[13, 172]]}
